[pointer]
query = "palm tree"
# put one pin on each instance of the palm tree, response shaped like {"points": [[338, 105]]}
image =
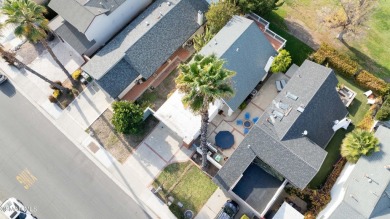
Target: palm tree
{"points": [[357, 143], [203, 81], [10, 57], [28, 16]]}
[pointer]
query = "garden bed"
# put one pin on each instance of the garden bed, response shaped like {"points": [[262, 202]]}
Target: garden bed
{"points": [[63, 100], [119, 145], [187, 184], [155, 98]]}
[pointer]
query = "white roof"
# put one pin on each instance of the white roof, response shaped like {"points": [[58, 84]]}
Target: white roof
{"points": [[180, 120], [287, 212]]}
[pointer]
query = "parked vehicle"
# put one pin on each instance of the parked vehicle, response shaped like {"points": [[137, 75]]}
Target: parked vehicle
{"points": [[3, 78], [14, 209], [229, 210]]}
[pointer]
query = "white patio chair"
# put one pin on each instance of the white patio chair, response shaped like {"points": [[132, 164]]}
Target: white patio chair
{"points": [[368, 93], [370, 101]]}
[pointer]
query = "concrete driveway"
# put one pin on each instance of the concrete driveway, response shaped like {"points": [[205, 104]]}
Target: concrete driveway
{"points": [[159, 149]]}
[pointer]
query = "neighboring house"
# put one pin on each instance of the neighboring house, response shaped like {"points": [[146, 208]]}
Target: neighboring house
{"points": [[287, 143], [86, 25], [366, 192], [145, 44], [246, 51]]}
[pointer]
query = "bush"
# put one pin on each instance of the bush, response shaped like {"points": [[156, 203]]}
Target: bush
{"points": [[76, 74], [56, 93], [52, 99], [127, 117], [176, 210], [367, 121], [56, 82], [339, 62], [384, 112], [243, 105], [371, 82], [281, 62]]}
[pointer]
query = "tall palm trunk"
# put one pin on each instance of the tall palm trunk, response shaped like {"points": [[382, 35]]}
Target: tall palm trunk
{"points": [[48, 48], [9, 56], [203, 136]]}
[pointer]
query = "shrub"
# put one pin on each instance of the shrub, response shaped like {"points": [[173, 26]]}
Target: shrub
{"points": [[243, 105], [367, 121], [56, 93], [370, 82], [281, 62], [52, 99], [176, 210], [76, 74], [56, 82], [127, 117], [384, 112]]}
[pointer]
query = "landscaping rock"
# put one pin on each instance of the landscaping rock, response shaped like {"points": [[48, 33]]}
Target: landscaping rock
{"points": [[180, 204], [171, 199]]}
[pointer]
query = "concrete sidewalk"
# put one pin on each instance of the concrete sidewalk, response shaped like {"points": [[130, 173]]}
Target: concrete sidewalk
{"points": [[72, 127]]}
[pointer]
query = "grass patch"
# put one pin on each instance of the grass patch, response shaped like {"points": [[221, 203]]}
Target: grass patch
{"points": [[299, 51], [193, 189], [332, 157], [359, 106]]}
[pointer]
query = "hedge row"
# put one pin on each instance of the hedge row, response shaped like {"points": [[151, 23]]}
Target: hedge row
{"points": [[339, 62], [349, 68], [384, 112]]}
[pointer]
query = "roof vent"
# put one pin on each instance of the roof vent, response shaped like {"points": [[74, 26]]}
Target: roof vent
{"points": [[147, 23], [169, 3], [237, 49], [304, 133], [300, 109], [215, 42], [271, 120], [292, 96]]}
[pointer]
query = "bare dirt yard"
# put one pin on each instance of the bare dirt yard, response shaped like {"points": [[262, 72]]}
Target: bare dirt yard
{"points": [[119, 145]]}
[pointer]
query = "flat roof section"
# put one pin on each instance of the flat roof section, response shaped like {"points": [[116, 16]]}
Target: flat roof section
{"points": [[257, 187]]}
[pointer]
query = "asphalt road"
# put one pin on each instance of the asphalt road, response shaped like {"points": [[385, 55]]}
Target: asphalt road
{"points": [[43, 169]]}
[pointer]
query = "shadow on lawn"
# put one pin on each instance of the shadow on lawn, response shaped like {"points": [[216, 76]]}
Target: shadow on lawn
{"points": [[368, 63]]}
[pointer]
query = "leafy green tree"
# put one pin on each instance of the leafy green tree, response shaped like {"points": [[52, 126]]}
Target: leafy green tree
{"points": [[127, 117], [200, 40], [359, 142], [203, 81], [30, 23], [281, 62], [260, 7], [219, 14]]}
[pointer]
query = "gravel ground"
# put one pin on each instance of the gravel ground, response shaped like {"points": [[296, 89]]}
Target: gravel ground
{"points": [[29, 51], [119, 145]]}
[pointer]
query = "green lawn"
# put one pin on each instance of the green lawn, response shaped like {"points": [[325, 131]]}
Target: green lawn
{"points": [[193, 189], [299, 51]]}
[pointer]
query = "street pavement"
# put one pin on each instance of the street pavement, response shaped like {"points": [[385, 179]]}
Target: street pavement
{"points": [[42, 168]]}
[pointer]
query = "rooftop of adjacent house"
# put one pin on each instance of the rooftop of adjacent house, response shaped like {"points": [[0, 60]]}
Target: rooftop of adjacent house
{"points": [[279, 138], [368, 186], [148, 41], [81, 13], [70, 34], [246, 51]]}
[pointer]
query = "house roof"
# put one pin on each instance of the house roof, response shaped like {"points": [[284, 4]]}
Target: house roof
{"points": [[296, 157], [365, 199], [246, 51], [286, 211], [81, 13], [71, 35], [150, 39]]}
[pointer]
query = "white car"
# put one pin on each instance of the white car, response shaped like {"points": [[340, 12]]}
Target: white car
{"points": [[3, 78], [14, 209]]}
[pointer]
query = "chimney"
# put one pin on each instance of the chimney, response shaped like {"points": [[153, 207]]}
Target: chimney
{"points": [[200, 18]]}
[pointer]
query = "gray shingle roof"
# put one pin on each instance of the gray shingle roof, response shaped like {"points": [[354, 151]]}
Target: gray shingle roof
{"points": [[71, 35], [368, 199], [81, 13], [110, 83], [296, 157], [147, 47], [246, 51]]}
